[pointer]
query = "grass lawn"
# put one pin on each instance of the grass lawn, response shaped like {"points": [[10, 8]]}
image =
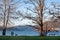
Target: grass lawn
{"points": [[28, 38]]}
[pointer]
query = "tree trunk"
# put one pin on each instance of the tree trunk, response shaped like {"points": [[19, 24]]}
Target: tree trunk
{"points": [[41, 22], [41, 16], [41, 34], [4, 20], [4, 32]]}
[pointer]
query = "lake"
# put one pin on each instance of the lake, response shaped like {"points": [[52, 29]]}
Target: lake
{"points": [[21, 33]]}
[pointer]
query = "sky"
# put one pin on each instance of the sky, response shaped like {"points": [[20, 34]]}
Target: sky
{"points": [[22, 7]]}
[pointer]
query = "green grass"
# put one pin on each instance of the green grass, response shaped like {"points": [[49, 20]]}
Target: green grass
{"points": [[28, 38]]}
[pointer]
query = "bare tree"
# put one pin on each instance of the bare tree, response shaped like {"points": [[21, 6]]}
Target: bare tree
{"points": [[38, 9], [54, 20], [4, 27], [8, 10]]}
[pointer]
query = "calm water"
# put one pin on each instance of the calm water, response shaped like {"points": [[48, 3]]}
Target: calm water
{"points": [[21, 33], [29, 33]]}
